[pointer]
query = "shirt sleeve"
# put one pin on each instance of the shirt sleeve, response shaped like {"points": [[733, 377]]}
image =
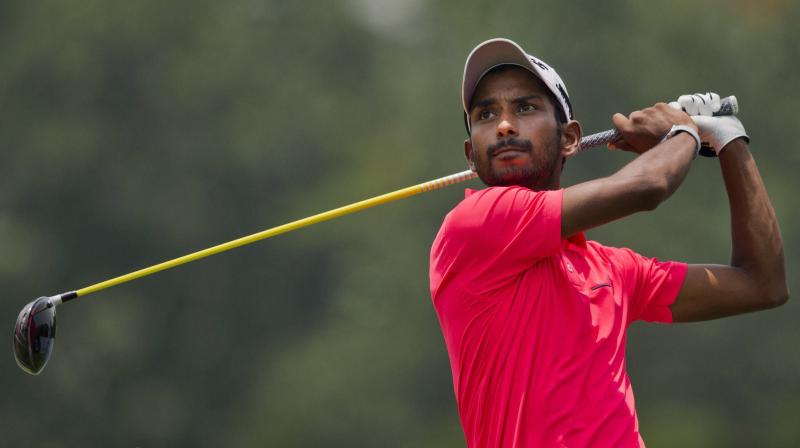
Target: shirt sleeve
{"points": [[651, 286], [501, 231]]}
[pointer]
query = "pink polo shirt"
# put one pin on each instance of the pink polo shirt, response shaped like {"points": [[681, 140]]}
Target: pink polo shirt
{"points": [[535, 325]]}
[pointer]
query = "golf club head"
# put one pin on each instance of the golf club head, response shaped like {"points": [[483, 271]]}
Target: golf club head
{"points": [[34, 334]]}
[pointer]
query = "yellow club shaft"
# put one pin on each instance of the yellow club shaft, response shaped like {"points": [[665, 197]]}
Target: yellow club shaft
{"points": [[294, 225], [590, 141]]}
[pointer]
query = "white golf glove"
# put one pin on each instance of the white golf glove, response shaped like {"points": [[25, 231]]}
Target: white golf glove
{"points": [[715, 132], [698, 104]]}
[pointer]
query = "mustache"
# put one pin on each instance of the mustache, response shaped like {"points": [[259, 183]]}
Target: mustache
{"points": [[509, 142]]}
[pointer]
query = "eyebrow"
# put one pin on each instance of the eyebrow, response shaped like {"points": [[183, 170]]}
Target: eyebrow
{"points": [[518, 100], [523, 99]]}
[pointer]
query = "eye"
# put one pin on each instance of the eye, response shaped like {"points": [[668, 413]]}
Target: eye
{"points": [[485, 114], [526, 107]]}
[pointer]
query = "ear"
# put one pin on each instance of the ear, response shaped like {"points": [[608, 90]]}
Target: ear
{"points": [[469, 154], [571, 139]]}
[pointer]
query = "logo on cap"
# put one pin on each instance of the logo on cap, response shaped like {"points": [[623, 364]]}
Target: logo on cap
{"points": [[541, 64]]}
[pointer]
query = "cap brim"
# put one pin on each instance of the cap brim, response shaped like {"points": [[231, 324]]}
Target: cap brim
{"points": [[487, 56]]}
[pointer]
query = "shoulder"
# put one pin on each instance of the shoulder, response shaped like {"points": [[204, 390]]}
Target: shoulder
{"points": [[497, 215]]}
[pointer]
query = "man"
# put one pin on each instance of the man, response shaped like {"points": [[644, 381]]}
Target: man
{"points": [[534, 316]]}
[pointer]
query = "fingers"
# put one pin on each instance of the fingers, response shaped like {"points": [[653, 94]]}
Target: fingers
{"points": [[621, 122], [643, 129], [689, 104], [622, 145], [623, 125], [665, 108], [657, 118], [700, 103], [715, 102]]}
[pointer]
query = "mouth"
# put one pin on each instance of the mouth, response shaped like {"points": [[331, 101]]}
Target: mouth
{"points": [[509, 152]]}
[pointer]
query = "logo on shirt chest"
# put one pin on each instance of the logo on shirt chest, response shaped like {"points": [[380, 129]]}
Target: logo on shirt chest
{"points": [[601, 285], [602, 306], [589, 283], [598, 287]]}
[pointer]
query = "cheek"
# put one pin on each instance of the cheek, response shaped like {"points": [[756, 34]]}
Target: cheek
{"points": [[479, 148]]}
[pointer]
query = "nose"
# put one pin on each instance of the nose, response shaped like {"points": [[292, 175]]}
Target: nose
{"points": [[506, 127]]}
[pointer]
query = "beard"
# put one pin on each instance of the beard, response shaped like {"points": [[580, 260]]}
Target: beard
{"points": [[538, 174]]}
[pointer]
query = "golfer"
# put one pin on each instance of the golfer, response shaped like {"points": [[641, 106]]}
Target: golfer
{"points": [[534, 316]]}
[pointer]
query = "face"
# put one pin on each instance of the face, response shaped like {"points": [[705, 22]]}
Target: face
{"points": [[515, 138]]}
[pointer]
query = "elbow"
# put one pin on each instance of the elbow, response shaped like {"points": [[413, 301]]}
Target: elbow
{"points": [[775, 296], [779, 299]]}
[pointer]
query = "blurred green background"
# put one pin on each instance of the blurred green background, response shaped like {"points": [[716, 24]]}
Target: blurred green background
{"points": [[134, 132]]}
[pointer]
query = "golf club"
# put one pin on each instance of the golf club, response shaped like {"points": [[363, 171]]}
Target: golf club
{"points": [[35, 328]]}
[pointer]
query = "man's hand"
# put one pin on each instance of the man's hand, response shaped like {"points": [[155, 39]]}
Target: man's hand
{"points": [[645, 128], [715, 132]]}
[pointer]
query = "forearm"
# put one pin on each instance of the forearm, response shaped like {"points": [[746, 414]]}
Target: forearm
{"points": [[666, 165], [756, 237], [643, 183]]}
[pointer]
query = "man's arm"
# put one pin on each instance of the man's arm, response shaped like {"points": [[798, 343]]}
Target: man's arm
{"points": [[643, 183], [755, 278]]}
